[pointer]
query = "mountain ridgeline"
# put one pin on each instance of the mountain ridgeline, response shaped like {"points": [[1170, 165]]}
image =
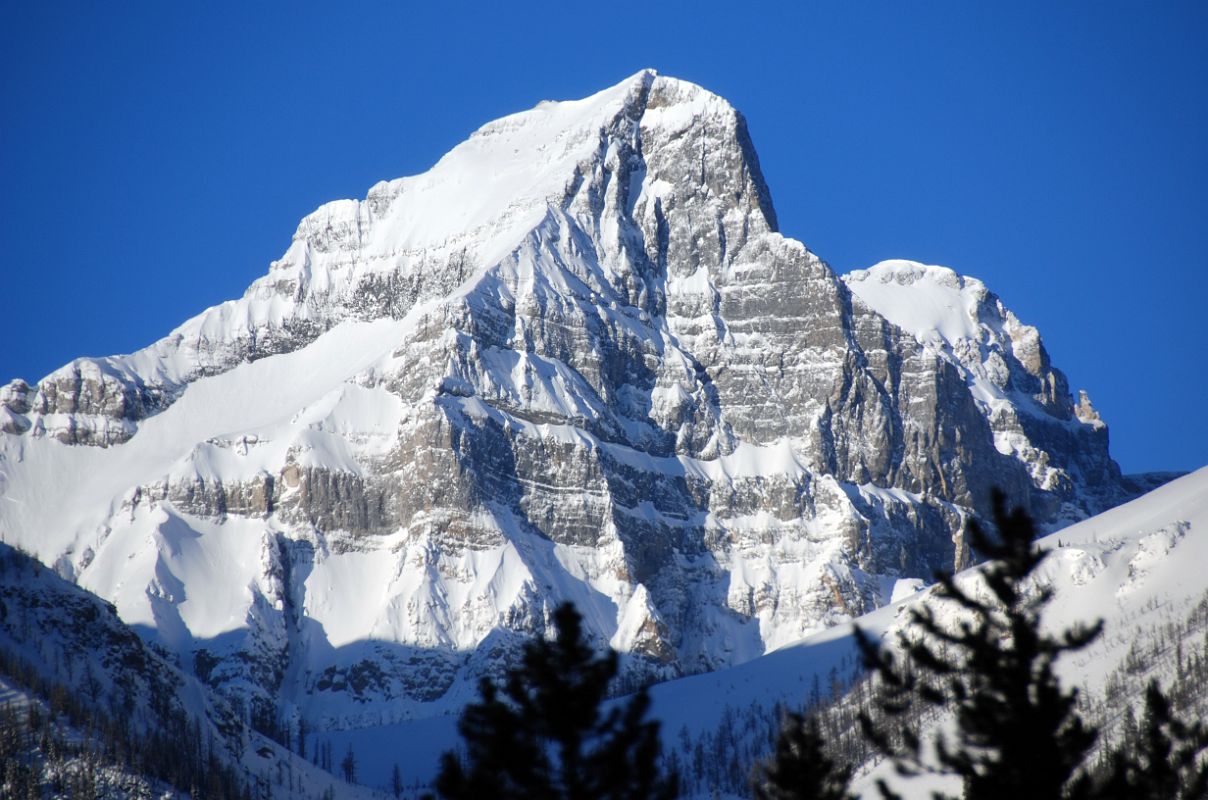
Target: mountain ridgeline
{"points": [[574, 361]]}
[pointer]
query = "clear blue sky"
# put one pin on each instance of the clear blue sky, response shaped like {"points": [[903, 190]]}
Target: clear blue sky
{"points": [[154, 157]]}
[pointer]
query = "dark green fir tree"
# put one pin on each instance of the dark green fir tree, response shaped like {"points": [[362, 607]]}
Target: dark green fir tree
{"points": [[801, 768], [1167, 758], [545, 734]]}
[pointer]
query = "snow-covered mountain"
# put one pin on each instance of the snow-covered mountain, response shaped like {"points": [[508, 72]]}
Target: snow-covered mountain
{"points": [[572, 361]]}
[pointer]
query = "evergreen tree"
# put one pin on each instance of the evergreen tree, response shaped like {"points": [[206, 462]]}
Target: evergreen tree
{"points": [[1131, 733], [1018, 734], [801, 769], [544, 737], [1165, 761], [302, 730]]}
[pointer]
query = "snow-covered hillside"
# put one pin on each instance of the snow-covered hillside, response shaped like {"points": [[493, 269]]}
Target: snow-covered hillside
{"points": [[107, 715], [574, 360]]}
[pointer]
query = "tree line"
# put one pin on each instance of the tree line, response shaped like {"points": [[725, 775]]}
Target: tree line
{"points": [[83, 740], [103, 754]]}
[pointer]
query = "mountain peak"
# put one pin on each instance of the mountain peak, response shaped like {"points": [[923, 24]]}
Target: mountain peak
{"points": [[573, 361], [497, 184]]}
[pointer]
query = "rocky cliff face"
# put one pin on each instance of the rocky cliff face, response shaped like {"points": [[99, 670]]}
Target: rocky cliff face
{"points": [[1025, 400], [573, 361]]}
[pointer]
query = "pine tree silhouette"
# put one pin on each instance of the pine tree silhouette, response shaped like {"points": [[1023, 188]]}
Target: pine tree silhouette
{"points": [[801, 769], [1165, 761], [545, 737], [348, 766], [1018, 733]]}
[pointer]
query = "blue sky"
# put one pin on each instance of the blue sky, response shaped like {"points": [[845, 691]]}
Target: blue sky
{"points": [[155, 157]]}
